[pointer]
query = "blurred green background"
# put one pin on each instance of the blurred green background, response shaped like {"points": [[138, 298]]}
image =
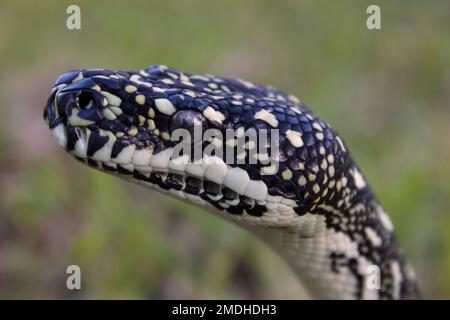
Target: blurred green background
{"points": [[386, 92]]}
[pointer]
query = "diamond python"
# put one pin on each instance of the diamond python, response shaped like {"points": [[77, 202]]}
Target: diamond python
{"points": [[316, 211]]}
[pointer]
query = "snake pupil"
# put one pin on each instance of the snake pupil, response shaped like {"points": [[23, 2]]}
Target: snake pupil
{"points": [[84, 98]]}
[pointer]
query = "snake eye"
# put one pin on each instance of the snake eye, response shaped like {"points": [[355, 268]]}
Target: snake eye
{"points": [[85, 99], [190, 120]]}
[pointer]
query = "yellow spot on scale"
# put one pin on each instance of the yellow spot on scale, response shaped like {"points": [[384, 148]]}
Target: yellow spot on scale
{"points": [[294, 138], [216, 142], [330, 158], [287, 174], [316, 188], [167, 81], [231, 142], [317, 126], [165, 135], [141, 120], [151, 113], [133, 131], [140, 99], [130, 89], [190, 93], [79, 77], [297, 111], [151, 125], [331, 171], [157, 89], [250, 145], [268, 117], [302, 181], [213, 115], [96, 88], [183, 77], [322, 150], [242, 155], [119, 134], [269, 170], [165, 106], [188, 83]]}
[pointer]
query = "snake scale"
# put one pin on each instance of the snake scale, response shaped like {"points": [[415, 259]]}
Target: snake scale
{"points": [[313, 207]]}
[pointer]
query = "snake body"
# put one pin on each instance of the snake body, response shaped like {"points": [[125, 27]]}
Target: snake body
{"points": [[314, 208]]}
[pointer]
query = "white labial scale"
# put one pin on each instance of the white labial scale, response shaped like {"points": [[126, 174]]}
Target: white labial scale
{"points": [[80, 148], [196, 169], [236, 180], [141, 157], [256, 190], [125, 155], [59, 135], [178, 164], [104, 153], [216, 171], [161, 160]]}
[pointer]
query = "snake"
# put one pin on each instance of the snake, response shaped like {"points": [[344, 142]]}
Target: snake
{"points": [[298, 190]]}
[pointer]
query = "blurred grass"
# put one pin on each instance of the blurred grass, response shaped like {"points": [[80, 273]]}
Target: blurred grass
{"points": [[385, 91]]}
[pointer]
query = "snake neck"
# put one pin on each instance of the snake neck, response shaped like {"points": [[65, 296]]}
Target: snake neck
{"points": [[345, 248]]}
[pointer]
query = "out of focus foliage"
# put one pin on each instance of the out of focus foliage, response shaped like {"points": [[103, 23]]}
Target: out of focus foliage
{"points": [[386, 92]]}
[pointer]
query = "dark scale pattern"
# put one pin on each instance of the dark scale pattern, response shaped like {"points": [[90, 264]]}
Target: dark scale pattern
{"points": [[142, 108]]}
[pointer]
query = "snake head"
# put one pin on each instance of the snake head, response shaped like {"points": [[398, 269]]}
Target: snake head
{"points": [[124, 123], [90, 114]]}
